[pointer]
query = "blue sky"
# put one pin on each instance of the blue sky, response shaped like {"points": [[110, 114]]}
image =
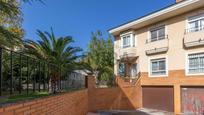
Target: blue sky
{"points": [[78, 18]]}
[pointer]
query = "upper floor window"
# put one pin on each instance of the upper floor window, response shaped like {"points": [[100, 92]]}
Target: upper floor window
{"points": [[127, 40], [196, 23], [157, 33], [158, 66], [196, 63]]}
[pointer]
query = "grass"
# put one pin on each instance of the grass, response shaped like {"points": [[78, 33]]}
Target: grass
{"points": [[24, 96], [15, 98]]}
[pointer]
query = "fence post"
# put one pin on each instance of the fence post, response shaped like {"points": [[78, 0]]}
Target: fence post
{"points": [[34, 77], [27, 75], [20, 78], [1, 71], [11, 67], [44, 77], [86, 81], [60, 78], [39, 79], [48, 76]]}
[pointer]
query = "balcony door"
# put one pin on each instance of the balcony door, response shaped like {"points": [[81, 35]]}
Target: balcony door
{"points": [[133, 71]]}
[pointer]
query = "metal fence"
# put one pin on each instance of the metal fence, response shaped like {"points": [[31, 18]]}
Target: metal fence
{"points": [[22, 74]]}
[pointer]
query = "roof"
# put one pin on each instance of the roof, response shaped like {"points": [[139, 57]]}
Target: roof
{"points": [[162, 14]]}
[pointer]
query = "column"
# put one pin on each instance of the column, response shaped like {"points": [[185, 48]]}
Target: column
{"points": [[177, 99]]}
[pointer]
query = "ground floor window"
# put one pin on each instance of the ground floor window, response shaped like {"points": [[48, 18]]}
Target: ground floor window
{"points": [[196, 63], [128, 70], [121, 69], [158, 66], [133, 70]]}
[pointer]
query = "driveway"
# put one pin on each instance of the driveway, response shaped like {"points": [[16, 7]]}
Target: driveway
{"points": [[133, 112]]}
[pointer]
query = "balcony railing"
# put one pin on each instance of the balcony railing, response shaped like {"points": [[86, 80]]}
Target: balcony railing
{"points": [[194, 29], [127, 53], [194, 37], [158, 46], [128, 76]]}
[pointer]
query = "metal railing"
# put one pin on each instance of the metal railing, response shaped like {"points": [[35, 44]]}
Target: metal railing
{"points": [[23, 74], [194, 29]]}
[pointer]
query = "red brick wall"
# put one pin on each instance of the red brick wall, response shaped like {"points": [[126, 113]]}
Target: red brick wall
{"points": [[123, 97], [75, 103], [126, 96]]}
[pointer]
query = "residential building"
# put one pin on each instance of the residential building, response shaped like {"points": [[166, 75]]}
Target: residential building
{"points": [[165, 49]]}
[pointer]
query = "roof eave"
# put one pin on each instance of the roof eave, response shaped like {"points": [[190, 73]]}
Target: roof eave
{"points": [[182, 6]]}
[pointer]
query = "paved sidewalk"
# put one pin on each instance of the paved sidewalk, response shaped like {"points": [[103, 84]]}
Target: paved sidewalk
{"points": [[133, 112]]}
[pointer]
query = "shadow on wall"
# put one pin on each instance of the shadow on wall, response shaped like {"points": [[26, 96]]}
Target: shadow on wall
{"points": [[125, 96]]}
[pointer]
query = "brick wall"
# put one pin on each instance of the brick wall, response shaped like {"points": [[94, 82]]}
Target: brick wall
{"points": [[123, 97], [75, 103]]}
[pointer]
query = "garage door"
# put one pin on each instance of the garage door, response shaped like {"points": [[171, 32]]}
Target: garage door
{"points": [[160, 98], [193, 100]]}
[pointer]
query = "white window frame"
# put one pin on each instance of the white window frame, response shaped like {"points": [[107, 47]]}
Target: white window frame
{"points": [[128, 44], [155, 28], [193, 19], [150, 69], [187, 64], [132, 39]]}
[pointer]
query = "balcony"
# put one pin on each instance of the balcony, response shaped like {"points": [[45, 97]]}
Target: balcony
{"points": [[155, 47], [194, 37], [127, 54]]}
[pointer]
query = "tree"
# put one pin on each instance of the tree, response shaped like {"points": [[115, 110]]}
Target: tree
{"points": [[10, 23], [99, 58], [56, 50], [11, 32]]}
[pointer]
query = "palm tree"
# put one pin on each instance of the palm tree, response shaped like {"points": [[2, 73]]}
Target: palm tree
{"points": [[55, 50]]}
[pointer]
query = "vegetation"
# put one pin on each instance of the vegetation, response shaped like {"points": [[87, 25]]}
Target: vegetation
{"points": [[11, 31], [56, 50], [99, 59], [21, 97], [10, 23]]}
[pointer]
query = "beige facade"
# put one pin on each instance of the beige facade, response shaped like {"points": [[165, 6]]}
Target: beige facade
{"points": [[179, 41], [176, 54]]}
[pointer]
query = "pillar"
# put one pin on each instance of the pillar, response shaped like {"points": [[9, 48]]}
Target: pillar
{"points": [[177, 99]]}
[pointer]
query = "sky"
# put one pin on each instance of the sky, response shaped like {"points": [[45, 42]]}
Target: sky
{"points": [[78, 18]]}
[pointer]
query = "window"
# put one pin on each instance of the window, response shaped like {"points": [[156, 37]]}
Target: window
{"points": [[158, 66], [121, 69], [127, 40], [196, 23], [196, 63], [157, 33], [133, 70]]}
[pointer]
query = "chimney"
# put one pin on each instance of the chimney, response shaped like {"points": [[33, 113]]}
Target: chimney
{"points": [[177, 1]]}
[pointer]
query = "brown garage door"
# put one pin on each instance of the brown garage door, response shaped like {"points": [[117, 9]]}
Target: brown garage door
{"points": [[160, 98], [193, 100]]}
